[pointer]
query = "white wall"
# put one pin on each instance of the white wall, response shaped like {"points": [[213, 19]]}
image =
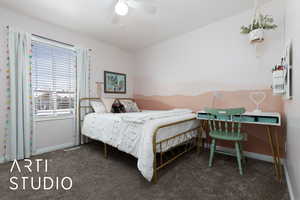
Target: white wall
{"points": [[292, 107], [104, 57], [53, 134], [215, 57], [186, 71]]}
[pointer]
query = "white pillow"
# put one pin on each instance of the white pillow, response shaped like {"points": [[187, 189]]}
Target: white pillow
{"points": [[98, 107], [130, 106], [108, 103]]}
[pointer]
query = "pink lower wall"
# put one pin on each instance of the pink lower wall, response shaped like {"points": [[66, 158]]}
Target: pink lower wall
{"points": [[257, 136]]}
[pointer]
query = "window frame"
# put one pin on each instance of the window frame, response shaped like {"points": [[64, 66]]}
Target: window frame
{"points": [[53, 114]]}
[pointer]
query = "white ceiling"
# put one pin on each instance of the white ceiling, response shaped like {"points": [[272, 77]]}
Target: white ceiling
{"points": [[138, 30]]}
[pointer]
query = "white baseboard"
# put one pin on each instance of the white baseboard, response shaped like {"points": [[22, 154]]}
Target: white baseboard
{"points": [[288, 181], [248, 154], [54, 148]]}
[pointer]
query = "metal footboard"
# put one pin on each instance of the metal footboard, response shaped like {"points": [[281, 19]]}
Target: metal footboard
{"points": [[180, 144]]}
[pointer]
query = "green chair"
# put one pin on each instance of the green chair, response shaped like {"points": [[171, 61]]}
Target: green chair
{"points": [[223, 128]]}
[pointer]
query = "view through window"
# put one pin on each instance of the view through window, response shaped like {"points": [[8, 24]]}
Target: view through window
{"points": [[53, 79]]}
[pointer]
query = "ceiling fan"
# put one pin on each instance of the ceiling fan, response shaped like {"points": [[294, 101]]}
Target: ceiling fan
{"points": [[121, 8]]}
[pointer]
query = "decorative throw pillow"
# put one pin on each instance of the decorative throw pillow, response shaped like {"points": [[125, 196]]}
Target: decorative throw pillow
{"points": [[108, 102], [117, 107], [98, 107], [130, 106]]}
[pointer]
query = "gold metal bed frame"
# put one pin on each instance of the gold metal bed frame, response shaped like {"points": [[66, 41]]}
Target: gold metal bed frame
{"points": [[180, 143]]}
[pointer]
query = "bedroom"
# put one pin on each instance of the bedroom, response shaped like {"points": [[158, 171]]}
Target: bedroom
{"points": [[171, 60]]}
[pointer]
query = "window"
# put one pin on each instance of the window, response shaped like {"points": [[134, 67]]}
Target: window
{"points": [[53, 79]]}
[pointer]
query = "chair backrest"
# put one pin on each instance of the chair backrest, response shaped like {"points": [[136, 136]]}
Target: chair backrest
{"points": [[220, 119]]}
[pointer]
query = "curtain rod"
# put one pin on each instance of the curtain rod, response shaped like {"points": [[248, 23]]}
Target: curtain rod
{"points": [[45, 38], [52, 40]]}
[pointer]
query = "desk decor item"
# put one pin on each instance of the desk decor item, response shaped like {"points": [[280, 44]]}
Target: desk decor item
{"points": [[257, 98], [114, 82], [259, 23]]}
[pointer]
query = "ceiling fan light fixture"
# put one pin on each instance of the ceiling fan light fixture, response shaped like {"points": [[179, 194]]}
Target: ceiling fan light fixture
{"points": [[121, 8]]}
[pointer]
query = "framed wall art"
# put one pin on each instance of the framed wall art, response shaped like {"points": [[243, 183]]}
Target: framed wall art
{"points": [[114, 82]]}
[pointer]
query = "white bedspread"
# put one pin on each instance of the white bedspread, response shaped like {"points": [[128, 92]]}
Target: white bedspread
{"points": [[133, 132]]}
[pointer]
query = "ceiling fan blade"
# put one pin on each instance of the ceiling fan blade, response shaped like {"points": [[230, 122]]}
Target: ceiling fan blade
{"points": [[148, 6], [133, 4]]}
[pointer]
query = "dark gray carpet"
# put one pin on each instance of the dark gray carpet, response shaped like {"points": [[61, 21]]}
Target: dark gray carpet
{"points": [[117, 177]]}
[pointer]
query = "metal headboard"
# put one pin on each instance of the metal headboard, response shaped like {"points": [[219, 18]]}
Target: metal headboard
{"points": [[89, 107]]}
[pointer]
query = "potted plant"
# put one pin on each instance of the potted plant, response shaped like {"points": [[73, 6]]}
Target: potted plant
{"points": [[257, 27]]}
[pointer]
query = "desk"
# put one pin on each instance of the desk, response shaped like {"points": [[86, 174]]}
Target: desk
{"points": [[268, 120]]}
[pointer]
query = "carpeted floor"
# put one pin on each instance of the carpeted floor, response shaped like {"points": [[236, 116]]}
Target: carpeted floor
{"points": [[117, 177]]}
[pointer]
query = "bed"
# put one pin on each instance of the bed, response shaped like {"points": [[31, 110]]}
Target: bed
{"points": [[155, 138]]}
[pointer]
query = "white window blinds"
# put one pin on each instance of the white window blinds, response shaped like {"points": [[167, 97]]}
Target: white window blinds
{"points": [[53, 79]]}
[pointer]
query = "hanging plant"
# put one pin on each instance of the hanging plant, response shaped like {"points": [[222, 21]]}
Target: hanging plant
{"points": [[257, 27]]}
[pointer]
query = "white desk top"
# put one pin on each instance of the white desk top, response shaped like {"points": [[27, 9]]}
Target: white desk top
{"points": [[259, 114]]}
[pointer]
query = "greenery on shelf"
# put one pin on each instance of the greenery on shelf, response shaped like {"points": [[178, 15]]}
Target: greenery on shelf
{"points": [[266, 22]]}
